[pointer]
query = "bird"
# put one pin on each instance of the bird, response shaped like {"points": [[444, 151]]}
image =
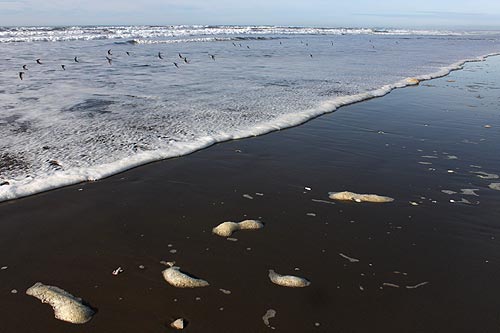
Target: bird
{"points": [[234, 44], [76, 59], [127, 52], [248, 47], [332, 43], [25, 67], [180, 56], [21, 74], [212, 56], [109, 52], [280, 43], [38, 61], [186, 60], [175, 64], [109, 60], [159, 55], [311, 55], [63, 67]]}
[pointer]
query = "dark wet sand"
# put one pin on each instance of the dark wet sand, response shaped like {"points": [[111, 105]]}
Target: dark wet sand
{"points": [[74, 237]]}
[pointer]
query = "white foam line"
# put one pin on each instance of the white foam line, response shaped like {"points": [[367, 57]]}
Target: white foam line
{"points": [[23, 188]]}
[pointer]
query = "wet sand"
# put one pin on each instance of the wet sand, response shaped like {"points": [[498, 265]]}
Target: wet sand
{"points": [[75, 237]]}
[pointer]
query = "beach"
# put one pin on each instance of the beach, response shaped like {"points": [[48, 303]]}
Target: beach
{"points": [[427, 262]]}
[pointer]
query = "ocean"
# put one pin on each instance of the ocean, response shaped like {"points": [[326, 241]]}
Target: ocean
{"points": [[138, 94]]}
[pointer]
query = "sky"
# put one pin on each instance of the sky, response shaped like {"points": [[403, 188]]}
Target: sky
{"points": [[477, 14]]}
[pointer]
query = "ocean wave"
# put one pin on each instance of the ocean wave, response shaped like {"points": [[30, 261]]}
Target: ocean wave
{"points": [[85, 33], [28, 186]]}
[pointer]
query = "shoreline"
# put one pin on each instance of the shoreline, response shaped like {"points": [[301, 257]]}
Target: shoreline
{"points": [[77, 176], [411, 145]]}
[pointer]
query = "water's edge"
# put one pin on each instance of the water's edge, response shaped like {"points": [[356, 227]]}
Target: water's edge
{"points": [[79, 175]]}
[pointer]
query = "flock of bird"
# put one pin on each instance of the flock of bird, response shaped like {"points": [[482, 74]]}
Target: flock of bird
{"points": [[110, 61], [159, 55]]}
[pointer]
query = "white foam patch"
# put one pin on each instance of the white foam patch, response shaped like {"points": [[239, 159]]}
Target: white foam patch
{"points": [[494, 186], [290, 281], [178, 279], [351, 196], [66, 306], [226, 229]]}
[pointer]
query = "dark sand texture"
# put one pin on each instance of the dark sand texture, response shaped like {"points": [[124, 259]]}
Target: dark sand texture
{"points": [[75, 237]]}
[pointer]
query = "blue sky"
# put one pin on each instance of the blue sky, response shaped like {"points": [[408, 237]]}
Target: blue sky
{"points": [[356, 13]]}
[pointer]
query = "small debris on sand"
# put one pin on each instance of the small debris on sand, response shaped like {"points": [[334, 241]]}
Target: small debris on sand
{"points": [[247, 196], [323, 201], [290, 281], [450, 192], [413, 203], [348, 258], [226, 292], [392, 285], [117, 271], [178, 279], [494, 186], [231, 239], [13, 291], [311, 214], [271, 313], [417, 285], [350, 196], [66, 306], [487, 126], [226, 229], [178, 324], [4, 268], [307, 188]]}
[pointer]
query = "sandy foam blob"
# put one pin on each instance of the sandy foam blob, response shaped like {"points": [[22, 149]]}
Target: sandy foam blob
{"points": [[351, 196], [226, 229], [178, 279], [288, 280], [66, 306]]}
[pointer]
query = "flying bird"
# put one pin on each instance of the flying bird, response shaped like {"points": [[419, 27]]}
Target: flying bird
{"points": [[159, 55], [63, 67], [38, 61], [109, 60], [127, 52], [186, 60], [25, 67], [21, 74], [76, 59], [180, 56], [109, 52], [311, 55], [212, 56], [175, 64]]}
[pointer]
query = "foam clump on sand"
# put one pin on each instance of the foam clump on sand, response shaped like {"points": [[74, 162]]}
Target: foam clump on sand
{"points": [[226, 229], [494, 186], [351, 196], [178, 279], [412, 81], [290, 281], [66, 306]]}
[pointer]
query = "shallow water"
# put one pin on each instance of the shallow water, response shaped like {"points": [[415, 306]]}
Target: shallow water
{"points": [[94, 119]]}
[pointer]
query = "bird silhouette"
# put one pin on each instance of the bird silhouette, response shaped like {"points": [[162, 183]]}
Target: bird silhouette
{"points": [[76, 59], [21, 75], [38, 61], [63, 67], [109, 60]]}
